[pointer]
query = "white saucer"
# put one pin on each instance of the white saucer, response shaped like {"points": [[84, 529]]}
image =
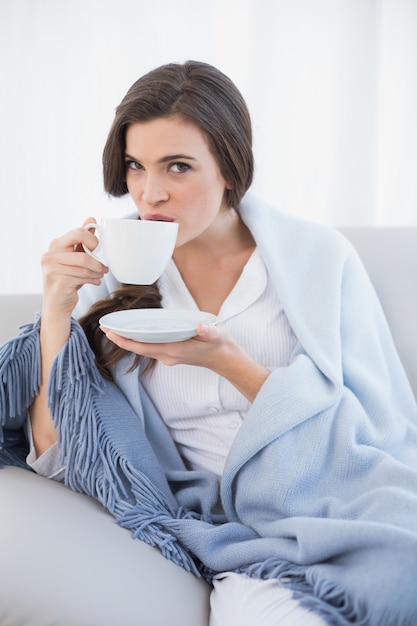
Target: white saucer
{"points": [[156, 325]]}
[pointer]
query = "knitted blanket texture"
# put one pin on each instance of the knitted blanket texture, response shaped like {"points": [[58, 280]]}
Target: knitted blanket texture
{"points": [[320, 486]]}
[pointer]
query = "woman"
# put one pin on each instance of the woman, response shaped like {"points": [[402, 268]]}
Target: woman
{"points": [[294, 423]]}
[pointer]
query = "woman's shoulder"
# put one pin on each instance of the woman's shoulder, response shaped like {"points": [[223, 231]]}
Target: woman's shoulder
{"points": [[269, 223]]}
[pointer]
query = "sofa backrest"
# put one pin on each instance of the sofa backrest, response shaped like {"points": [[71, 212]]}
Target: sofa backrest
{"points": [[389, 255], [15, 310]]}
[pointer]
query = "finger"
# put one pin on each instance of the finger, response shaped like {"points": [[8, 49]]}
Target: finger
{"points": [[159, 351], [122, 342], [72, 262], [208, 332], [90, 220], [73, 238], [62, 276]]}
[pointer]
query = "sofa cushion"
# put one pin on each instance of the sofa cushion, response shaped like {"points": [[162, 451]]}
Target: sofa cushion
{"points": [[65, 562]]}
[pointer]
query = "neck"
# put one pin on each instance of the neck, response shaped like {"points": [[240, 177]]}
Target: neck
{"points": [[210, 265], [228, 235]]}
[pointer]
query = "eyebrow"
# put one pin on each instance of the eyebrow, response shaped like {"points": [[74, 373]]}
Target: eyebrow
{"points": [[165, 159]]}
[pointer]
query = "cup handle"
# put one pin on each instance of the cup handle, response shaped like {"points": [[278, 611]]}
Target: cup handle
{"points": [[98, 252]]}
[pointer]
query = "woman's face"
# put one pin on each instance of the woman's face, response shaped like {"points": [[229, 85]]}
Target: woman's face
{"points": [[172, 176]]}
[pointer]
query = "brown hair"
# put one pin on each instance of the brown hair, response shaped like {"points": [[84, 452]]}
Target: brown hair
{"points": [[204, 95], [127, 297]]}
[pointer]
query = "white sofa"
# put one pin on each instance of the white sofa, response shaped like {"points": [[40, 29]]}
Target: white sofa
{"points": [[64, 561]]}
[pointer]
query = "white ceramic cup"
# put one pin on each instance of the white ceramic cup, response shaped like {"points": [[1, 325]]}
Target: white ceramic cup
{"points": [[135, 251]]}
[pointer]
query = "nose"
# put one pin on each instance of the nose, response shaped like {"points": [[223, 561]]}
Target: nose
{"points": [[154, 190]]}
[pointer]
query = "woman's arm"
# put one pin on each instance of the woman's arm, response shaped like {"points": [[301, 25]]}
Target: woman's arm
{"points": [[65, 269], [213, 348]]}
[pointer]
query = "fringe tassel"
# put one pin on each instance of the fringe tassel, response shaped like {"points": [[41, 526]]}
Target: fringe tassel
{"points": [[19, 372], [352, 611], [93, 466], [20, 380], [73, 382], [149, 520], [323, 597]]}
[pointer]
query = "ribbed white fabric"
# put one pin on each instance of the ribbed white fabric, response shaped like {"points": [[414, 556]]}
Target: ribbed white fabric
{"points": [[203, 410]]}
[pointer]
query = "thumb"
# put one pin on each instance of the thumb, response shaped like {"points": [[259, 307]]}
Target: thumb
{"points": [[208, 332]]}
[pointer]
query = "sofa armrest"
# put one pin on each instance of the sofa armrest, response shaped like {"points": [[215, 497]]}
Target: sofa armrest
{"points": [[65, 561]]}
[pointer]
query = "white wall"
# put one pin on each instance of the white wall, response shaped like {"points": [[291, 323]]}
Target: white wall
{"points": [[330, 84]]}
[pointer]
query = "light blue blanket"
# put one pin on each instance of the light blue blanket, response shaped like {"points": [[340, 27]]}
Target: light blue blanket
{"points": [[320, 486]]}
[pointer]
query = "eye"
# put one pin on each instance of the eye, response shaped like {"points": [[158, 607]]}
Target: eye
{"points": [[132, 165], [180, 168]]}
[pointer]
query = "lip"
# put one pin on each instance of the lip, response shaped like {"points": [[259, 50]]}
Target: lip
{"points": [[157, 217]]}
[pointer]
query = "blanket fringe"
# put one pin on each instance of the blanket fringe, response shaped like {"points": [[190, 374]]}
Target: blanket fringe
{"points": [[93, 466], [325, 598], [20, 380], [18, 356], [152, 526]]}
